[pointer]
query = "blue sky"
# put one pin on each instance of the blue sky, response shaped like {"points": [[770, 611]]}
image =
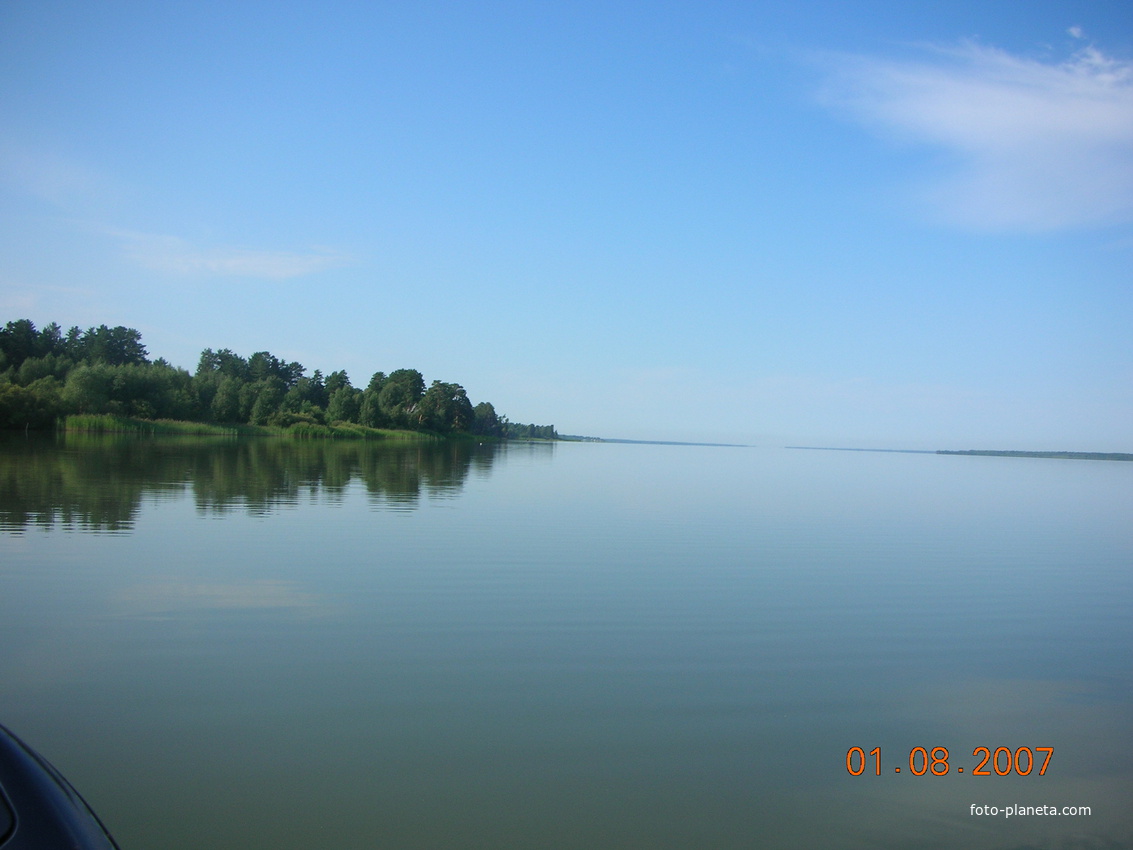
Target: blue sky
{"points": [[873, 223]]}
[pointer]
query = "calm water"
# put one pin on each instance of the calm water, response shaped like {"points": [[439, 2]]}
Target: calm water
{"points": [[274, 644]]}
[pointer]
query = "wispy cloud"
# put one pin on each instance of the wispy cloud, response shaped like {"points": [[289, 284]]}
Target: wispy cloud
{"points": [[84, 197], [1036, 145], [59, 180], [173, 255], [24, 299]]}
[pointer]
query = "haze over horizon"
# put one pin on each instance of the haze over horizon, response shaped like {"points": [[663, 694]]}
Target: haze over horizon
{"points": [[868, 223]]}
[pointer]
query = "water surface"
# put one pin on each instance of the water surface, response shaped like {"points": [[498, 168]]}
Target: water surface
{"points": [[267, 643]]}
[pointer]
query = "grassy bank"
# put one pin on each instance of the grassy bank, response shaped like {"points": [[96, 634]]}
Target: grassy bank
{"points": [[105, 423], [108, 424]]}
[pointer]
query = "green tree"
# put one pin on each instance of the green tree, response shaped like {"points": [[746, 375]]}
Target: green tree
{"points": [[226, 402], [88, 389], [34, 368], [485, 421], [73, 344], [33, 406], [263, 365], [313, 390], [51, 341], [444, 407], [370, 411], [224, 363], [19, 340], [401, 392], [335, 381], [345, 405], [269, 396], [117, 346]]}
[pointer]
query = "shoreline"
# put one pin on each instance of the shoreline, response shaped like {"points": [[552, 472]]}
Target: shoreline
{"points": [[1045, 455]]}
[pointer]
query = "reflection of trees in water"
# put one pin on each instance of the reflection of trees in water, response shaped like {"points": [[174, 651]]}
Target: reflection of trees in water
{"points": [[82, 482], [97, 482]]}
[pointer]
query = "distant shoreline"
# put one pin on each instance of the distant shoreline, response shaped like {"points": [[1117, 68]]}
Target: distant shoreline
{"points": [[983, 453], [573, 438], [1055, 455], [841, 449]]}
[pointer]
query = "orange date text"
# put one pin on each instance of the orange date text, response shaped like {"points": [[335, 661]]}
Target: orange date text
{"points": [[1000, 761]]}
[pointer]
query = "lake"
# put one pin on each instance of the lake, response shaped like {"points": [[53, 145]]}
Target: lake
{"points": [[286, 644]]}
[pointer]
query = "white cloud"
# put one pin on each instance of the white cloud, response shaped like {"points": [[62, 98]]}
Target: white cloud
{"points": [[1037, 145], [170, 254]]}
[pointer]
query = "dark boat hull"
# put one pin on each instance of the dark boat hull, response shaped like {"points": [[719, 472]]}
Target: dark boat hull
{"points": [[39, 809]]}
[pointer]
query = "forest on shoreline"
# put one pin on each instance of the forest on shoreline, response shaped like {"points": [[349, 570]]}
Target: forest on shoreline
{"points": [[105, 374]]}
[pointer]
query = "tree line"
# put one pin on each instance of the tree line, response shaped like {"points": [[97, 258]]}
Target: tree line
{"points": [[47, 374]]}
